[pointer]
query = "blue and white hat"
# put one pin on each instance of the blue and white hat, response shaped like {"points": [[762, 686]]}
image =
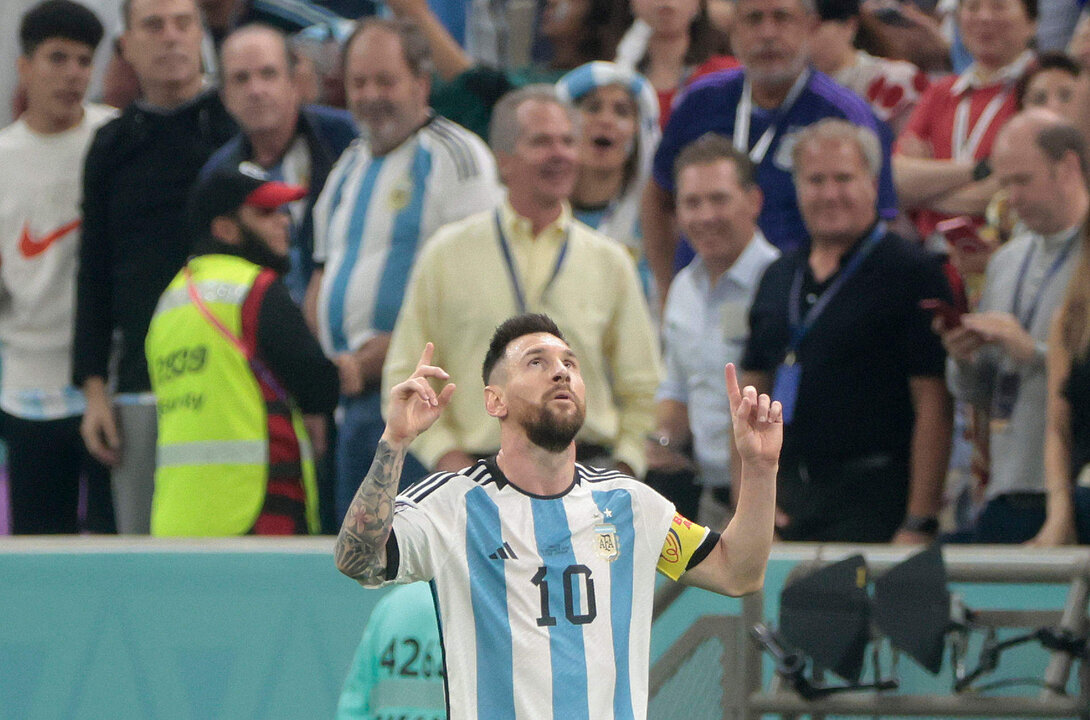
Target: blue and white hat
{"points": [[591, 76]]}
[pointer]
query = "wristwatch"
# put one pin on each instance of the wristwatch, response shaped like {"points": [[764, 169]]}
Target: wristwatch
{"points": [[661, 439], [920, 524]]}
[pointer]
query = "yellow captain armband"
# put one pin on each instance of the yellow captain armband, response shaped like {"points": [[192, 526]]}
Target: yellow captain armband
{"points": [[686, 544]]}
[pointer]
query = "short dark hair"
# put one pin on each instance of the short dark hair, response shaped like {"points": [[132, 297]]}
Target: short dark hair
{"points": [[415, 48], [711, 148], [1052, 60], [512, 329], [1056, 140], [126, 12], [1029, 5], [58, 19]]}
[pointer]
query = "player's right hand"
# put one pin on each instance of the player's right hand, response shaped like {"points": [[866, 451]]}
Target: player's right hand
{"points": [[99, 431], [414, 404]]}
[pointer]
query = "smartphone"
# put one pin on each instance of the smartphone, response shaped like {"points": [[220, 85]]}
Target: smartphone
{"points": [[962, 234], [951, 316]]}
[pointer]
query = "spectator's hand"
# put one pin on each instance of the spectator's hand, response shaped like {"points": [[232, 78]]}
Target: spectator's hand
{"points": [[920, 41], [316, 431], [665, 459], [960, 342], [414, 404], [350, 369], [371, 355], [99, 429], [1003, 329], [363, 366], [758, 422], [454, 460]]}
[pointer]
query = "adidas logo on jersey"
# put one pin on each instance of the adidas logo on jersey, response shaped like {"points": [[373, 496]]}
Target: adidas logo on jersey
{"points": [[504, 552]]}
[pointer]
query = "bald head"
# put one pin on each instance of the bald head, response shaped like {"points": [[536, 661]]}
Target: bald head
{"points": [[257, 70], [1027, 125], [1040, 160]]}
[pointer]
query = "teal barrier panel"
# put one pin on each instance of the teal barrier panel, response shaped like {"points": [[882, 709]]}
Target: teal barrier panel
{"points": [[119, 629], [145, 629]]}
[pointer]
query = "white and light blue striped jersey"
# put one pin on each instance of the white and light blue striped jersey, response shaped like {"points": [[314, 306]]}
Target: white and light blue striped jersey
{"points": [[545, 602], [376, 212]]}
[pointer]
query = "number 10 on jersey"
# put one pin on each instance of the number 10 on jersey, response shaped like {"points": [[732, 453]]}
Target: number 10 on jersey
{"points": [[574, 579]]}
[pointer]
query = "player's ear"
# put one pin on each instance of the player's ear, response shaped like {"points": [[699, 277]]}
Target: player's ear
{"points": [[494, 402]]}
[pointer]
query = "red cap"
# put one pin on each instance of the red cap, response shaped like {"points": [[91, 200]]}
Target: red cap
{"points": [[273, 194]]}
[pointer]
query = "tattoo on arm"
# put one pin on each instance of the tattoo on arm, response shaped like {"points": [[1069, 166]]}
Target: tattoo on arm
{"points": [[361, 544]]}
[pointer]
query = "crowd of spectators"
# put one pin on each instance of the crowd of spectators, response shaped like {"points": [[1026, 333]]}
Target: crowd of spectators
{"points": [[888, 199]]}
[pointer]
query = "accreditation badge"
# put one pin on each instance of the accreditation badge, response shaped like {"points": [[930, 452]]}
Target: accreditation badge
{"points": [[605, 541]]}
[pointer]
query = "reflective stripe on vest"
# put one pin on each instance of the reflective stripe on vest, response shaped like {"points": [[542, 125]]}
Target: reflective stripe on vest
{"points": [[213, 452], [212, 291]]}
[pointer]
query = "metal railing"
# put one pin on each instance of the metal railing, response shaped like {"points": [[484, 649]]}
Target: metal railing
{"points": [[746, 698]]}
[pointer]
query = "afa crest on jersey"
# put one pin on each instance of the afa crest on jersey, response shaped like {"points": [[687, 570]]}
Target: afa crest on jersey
{"points": [[605, 541]]}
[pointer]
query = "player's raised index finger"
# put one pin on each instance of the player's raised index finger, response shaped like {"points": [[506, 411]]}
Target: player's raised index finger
{"points": [[425, 357], [734, 394]]}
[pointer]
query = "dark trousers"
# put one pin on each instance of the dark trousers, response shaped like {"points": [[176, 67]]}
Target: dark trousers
{"points": [[1007, 519], [47, 467], [680, 488], [857, 500]]}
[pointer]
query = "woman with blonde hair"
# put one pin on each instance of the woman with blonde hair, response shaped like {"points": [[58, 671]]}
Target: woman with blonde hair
{"points": [[1067, 433]]}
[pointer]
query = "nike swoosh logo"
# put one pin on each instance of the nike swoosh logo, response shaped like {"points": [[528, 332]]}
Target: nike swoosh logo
{"points": [[31, 246]]}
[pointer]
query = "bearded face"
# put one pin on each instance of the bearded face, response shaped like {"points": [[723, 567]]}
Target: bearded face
{"points": [[556, 421]]}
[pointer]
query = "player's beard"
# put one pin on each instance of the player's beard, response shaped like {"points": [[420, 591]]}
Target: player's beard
{"points": [[552, 431]]}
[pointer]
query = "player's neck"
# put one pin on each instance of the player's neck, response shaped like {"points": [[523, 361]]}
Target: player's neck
{"points": [[534, 469]]}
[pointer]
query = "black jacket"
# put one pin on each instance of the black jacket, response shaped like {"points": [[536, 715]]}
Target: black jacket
{"points": [[327, 132], [137, 175]]}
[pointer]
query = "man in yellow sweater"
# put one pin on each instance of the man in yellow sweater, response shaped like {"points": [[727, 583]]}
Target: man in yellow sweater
{"points": [[530, 255]]}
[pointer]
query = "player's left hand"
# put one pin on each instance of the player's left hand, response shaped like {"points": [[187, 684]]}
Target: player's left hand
{"points": [[757, 420]]}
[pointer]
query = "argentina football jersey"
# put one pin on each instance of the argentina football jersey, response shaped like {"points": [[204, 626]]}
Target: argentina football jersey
{"points": [[545, 601]]}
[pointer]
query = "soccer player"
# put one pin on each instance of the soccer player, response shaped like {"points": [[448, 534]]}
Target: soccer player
{"points": [[544, 568]]}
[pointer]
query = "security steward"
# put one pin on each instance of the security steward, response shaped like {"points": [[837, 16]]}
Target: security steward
{"points": [[234, 368]]}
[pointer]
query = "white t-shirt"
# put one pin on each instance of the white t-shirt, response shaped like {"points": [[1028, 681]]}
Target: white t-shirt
{"points": [[545, 602], [40, 215]]}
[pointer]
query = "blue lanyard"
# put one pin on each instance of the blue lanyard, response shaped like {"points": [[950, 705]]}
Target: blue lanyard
{"points": [[799, 328], [1031, 312], [520, 298]]}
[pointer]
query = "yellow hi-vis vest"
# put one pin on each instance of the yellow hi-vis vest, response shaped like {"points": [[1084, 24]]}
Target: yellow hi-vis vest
{"points": [[213, 448]]}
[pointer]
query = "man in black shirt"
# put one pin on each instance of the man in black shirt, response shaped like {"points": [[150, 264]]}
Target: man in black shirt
{"points": [[138, 171], [838, 335]]}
